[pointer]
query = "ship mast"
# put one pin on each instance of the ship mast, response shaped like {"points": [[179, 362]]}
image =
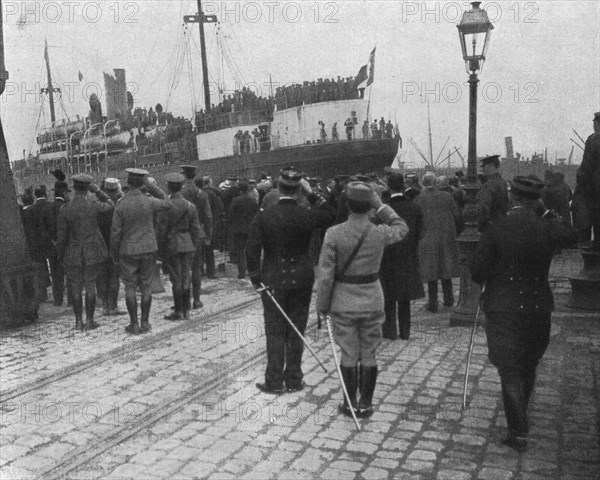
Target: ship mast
{"points": [[201, 19], [49, 89]]}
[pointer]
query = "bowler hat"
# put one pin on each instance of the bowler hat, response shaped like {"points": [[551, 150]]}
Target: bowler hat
{"points": [[359, 191]]}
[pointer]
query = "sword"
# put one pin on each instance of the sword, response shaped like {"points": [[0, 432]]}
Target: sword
{"points": [[338, 369], [263, 288], [464, 401]]}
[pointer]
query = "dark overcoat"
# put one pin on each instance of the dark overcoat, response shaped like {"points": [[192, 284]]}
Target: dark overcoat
{"points": [[438, 250], [242, 211], [281, 237], [513, 258], [400, 270]]}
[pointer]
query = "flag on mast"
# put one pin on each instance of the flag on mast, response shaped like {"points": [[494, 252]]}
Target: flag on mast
{"points": [[371, 67], [366, 72]]}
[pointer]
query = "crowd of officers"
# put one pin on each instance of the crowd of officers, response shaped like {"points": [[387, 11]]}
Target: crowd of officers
{"points": [[376, 242]]}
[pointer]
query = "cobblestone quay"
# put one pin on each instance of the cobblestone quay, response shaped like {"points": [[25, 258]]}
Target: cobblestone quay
{"points": [[181, 403]]}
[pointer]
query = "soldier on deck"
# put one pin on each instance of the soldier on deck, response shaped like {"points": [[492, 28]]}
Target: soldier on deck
{"points": [[492, 202], [192, 193], [183, 238], [281, 237], [80, 246], [133, 244]]}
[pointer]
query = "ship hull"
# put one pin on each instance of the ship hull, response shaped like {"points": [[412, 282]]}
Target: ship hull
{"points": [[324, 160]]}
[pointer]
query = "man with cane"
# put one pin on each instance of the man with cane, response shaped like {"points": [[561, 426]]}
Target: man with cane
{"points": [[281, 237], [349, 290], [513, 259]]}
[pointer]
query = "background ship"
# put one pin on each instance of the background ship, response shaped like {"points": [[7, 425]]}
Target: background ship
{"points": [[288, 128]]}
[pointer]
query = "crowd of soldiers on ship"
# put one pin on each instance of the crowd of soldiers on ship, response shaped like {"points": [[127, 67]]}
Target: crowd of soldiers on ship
{"points": [[376, 242]]}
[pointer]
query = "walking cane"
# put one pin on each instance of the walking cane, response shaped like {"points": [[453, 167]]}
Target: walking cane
{"points": [[464, 401], [339, 370], [263, 288]]}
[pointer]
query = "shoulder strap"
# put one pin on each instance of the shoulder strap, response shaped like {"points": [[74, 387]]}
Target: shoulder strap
{"points": [[355, 251]]}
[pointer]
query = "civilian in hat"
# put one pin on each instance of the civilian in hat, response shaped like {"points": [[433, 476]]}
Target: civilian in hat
{"points": [[192, 193], [412, 187], [133, 244], [43, 251], [241, 213], [438, 250], [61, 196], [400, 271], [108, 279], [217, 237], [492, 201], [588, 180], [512, 261], [349, 289], [278, 254], [183, 236], [80, 246]]}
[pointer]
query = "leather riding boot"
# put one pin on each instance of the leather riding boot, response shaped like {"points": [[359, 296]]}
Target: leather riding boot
{"points": [[177, 313], [447, 292], [514, 405], [146, 305], [350, 377], [131, 302], [185, 304], [78, 310], [367, 382], [432, 291], [90, 308]]}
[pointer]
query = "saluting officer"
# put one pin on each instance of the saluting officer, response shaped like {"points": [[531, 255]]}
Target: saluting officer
{"points": [[281, 236], [133, 243], [512, 260], [183, 238], [200, 199], [492, 202], [81, 247]]}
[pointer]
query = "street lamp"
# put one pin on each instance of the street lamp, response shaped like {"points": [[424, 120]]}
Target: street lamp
{"points": [[474, 31]]}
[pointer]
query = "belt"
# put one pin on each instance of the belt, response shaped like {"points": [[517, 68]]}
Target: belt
{"points": [[358, 279]]}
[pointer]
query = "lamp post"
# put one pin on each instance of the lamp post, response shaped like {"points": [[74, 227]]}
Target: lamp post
{"points": [[474, 31]]}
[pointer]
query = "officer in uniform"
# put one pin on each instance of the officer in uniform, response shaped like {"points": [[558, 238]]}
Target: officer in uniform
{"points": [[350, 291], [512, 261], [588, 179], [183, 238], [200, 199], [133, 243], [281, 236], [80, 246], [61, 195], [492, 202]]}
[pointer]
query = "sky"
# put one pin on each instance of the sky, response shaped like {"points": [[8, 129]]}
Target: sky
{"points": [[540, 81]]}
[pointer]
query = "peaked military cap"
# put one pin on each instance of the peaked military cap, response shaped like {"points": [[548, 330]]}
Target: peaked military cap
{"points": [[137, 172], [112, 184], [491, 159], [82, 179], [359, 191], [290, 176], [174, 178], [596, 116], [530, 185]]}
